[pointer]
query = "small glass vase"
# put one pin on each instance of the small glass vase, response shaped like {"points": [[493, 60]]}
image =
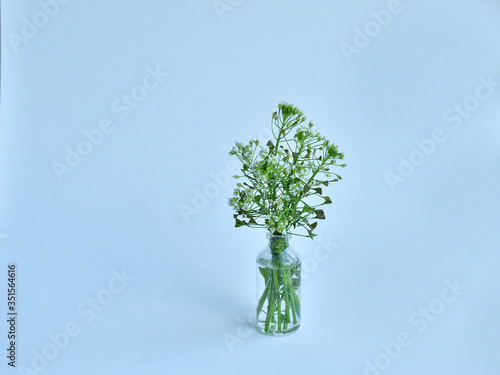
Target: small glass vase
{"points": [[278, 287]]}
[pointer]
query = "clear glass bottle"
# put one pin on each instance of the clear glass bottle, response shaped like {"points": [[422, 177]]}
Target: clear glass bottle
{"points": [[278, 287]]}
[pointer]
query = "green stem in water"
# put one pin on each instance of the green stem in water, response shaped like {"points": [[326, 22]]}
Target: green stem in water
{"points": [[297, 304], [263, 299], [279, 286], [277, 299], [270, 306], [290, 293], [287, 304]]}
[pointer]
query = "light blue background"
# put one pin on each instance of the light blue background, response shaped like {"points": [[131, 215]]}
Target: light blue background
{"points": [[194, 280]]}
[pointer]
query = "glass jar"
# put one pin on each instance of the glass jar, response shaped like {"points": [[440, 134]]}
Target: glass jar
{"points": [[278, 287]]}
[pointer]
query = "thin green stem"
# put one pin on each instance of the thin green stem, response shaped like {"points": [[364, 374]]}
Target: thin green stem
{"points": [[270, 307], [291, 293], [287, 304], [263, 299], [297, 304], [277, 299]]}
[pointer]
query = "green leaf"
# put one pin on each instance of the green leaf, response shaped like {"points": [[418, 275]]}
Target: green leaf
{"points": [[314, 225], [327, 200], [264, 272]]}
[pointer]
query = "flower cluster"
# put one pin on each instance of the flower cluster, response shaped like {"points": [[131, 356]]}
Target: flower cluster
{"points": [[282, 174]]}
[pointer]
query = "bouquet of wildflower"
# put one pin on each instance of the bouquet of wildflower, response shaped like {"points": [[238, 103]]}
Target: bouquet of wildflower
{"points": [[282, 191], [283, 174]]}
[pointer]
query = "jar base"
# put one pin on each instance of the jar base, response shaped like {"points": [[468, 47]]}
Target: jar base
{"points": [[271, 332]]}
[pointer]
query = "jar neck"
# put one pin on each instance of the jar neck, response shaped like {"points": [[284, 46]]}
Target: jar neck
{"points": [[278, 242]]}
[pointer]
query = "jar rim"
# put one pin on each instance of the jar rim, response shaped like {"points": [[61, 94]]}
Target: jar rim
{"points": [[287, 235]]}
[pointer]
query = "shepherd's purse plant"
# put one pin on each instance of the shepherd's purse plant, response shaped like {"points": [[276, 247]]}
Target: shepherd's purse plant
{"points": [[283, 180]]}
